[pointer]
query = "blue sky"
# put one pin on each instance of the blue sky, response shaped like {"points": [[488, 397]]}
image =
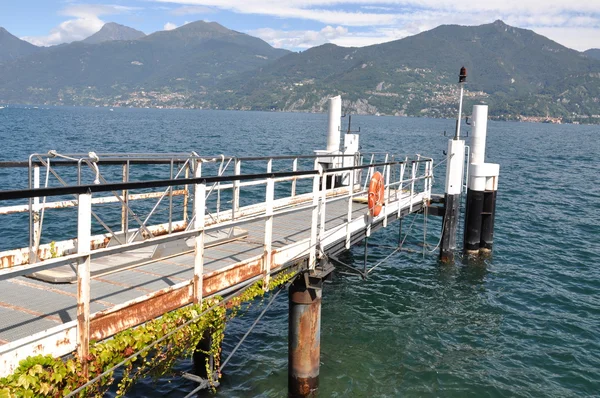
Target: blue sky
{"points": [[300, 24]]}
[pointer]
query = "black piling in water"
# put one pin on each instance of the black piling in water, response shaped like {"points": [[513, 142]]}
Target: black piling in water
{"points": [[304, 340], [487, 222], [200, 357], [449, 227], [473, 218], [400, 231]]}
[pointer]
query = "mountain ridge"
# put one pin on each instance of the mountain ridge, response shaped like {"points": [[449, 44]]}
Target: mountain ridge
{"points": [[520, 73], [514, 69], [112, 31], [12, 48], [593, 53]]}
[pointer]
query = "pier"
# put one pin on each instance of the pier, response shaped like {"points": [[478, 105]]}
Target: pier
{"points": [[57, 297], [108, 247]]}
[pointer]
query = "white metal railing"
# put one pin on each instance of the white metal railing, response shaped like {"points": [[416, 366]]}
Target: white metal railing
{"points": [[316, 199]]}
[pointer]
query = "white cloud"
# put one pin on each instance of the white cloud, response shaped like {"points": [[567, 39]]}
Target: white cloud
{"points": [[578, 38], [169, 26], [414, 16], [299, 38], [191, 10], [86, 22]]}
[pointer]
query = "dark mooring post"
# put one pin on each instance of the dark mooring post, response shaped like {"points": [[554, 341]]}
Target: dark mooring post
{"points": [[481, 193], [304, 340], [454, 179], [200, 358]]}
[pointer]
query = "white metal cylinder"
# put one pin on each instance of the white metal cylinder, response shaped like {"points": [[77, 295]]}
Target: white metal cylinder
{"points": [[454, 172], [478, 133], [483, 176], [335, 124]]}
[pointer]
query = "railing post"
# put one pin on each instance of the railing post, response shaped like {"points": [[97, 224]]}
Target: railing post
{"points": [[269, 198], [171, 199], [387, 191], [186, 194], [350, 197], [124, 206], [294, 168], [412, 184], [199, 216], [322, 208], [429, 179], [219, 186], [84, 233], [235, 205], [35, 219], [401, 185], [314, 226]]}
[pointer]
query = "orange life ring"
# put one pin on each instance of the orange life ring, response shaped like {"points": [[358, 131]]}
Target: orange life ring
{"points": [[376, 194]]}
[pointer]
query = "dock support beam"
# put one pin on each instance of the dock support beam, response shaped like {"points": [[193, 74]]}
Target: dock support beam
{"points": [[304, 340]]}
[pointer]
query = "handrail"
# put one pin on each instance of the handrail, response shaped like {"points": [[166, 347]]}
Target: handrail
{"points": [[106, 159], [91, 188]]}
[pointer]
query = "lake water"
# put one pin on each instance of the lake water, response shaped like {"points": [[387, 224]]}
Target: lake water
{"points": [[526, 323]]}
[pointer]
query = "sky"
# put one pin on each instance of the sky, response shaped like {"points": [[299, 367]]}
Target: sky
{"points": [[301, 24]]}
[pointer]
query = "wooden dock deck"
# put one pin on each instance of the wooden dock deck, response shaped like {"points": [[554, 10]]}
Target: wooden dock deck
{"points": [[38, 317]]}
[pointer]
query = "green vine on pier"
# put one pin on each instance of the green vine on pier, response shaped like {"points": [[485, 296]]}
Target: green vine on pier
{"points": [[45, 376]]}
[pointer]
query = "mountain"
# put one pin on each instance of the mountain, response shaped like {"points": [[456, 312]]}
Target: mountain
{"points": [[170, 64], [515, 70], [519, 73], [593, 53], [12, 48], [113, 31]]}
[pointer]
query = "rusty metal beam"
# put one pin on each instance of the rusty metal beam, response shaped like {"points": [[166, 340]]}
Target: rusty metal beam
{"points": [[65, 204], [107, 323]]}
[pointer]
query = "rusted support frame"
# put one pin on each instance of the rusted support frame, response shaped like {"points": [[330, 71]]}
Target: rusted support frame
{"points": [[84, 232], [304, 339]]}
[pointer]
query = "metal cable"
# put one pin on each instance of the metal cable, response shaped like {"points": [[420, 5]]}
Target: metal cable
{"points": [[151, 345], [205, 383], [255, 323], [398, 249]]}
